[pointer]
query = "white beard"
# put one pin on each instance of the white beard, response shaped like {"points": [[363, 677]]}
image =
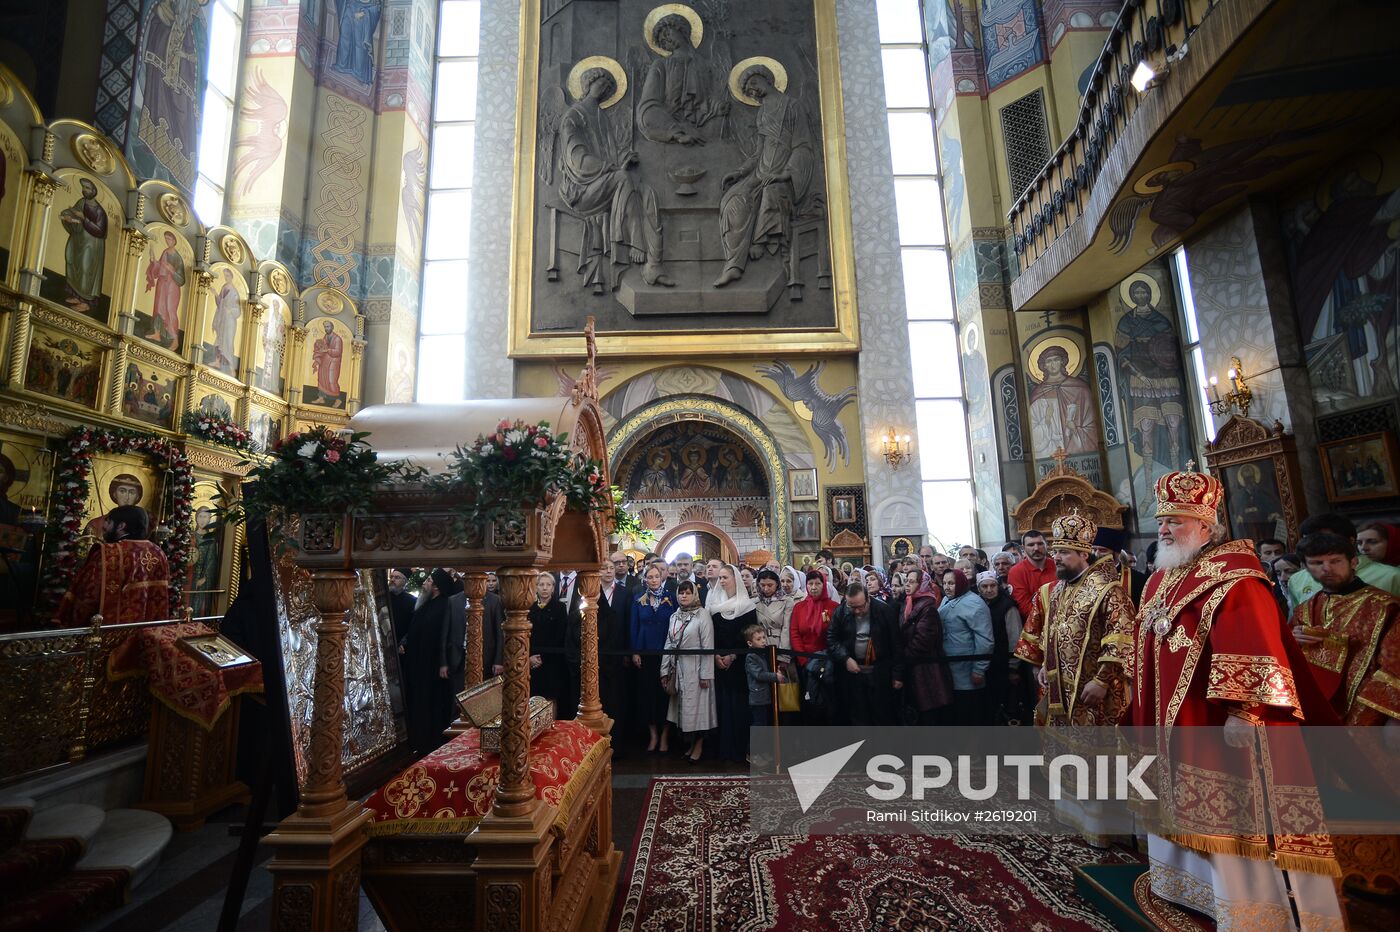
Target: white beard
{"points": [[1175, 554]]}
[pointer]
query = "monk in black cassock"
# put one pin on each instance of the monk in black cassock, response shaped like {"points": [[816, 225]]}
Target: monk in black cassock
{"points": [[429, 699]]}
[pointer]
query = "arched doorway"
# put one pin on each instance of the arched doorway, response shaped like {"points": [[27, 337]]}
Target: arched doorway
{"points": [[696, 475], [702, 541]]}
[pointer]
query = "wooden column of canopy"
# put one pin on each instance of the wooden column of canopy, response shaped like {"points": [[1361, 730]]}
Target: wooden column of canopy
{"points": [[317, 862]]}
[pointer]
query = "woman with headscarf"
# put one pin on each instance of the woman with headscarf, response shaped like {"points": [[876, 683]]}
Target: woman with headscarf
{"points": [[967, 631], [651, 620], [807, 633], [929, 682], [549, 629], [427, 714], [1379, 542], [1004, 676], [692, 707], [734, 612], [793, 584]]}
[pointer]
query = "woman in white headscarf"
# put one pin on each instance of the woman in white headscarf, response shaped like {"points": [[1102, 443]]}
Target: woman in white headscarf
{"points": [[794, 584], [831, 591], [732, 611]]}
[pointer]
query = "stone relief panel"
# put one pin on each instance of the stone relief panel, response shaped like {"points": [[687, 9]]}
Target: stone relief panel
{"points": [[679, 168]]}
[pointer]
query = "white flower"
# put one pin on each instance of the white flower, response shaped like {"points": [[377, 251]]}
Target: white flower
{"points": [[487, 449], [307, 449], [515, 436]]}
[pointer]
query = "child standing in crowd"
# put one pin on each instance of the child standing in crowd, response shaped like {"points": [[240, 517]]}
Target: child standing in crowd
{"points": [[760, 677]]}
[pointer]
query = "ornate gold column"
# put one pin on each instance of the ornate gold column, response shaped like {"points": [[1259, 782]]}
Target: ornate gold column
{"points": [[515, 794], [476, 632], [590, 707], [317, 862]]}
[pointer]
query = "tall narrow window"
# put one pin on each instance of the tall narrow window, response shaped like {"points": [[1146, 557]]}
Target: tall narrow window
{"points": [[442, 324], [216, 120], [1197, 371], [940, 414]]}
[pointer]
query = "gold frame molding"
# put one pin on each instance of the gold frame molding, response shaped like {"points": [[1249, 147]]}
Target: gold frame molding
{"points": [[844, 336]]}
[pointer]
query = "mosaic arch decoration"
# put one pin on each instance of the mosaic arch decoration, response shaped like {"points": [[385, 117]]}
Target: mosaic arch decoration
{"points": [[713, 411], [691, 460]]}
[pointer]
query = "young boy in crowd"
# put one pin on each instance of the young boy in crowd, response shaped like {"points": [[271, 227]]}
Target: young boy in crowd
{"points": [[760, 677]]}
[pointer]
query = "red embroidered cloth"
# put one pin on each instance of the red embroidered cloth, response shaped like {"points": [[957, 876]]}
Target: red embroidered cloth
{"points": [[452, 788], [176, 678]]}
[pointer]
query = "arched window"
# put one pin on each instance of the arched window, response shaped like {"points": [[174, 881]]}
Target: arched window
{"points": [[940, 411], [442, 323], [217, 114]]}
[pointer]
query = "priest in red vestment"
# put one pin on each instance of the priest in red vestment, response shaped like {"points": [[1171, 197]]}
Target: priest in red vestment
{"points": [[1212, 649], [1351, 639], [125, 578]]}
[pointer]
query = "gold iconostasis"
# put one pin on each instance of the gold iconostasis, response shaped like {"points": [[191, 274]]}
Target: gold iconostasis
{"points": [[120, 312]]}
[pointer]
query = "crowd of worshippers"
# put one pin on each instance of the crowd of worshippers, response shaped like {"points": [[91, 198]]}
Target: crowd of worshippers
{"points": [[932, 638]]}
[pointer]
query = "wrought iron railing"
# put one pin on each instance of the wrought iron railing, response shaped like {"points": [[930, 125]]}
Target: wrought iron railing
{"points": [[57, 705], [1147, 30]]}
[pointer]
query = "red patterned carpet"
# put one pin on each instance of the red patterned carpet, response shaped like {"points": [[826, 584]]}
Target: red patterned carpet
{"points": [[697, 865]]}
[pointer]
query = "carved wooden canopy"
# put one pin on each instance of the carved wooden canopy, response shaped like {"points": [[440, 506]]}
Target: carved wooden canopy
{"points": [[848, 543], [1061, 490]]}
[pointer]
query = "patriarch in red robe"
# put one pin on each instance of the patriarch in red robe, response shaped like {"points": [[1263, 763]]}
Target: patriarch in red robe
{"points": [[1211, 648], [125, 578]]}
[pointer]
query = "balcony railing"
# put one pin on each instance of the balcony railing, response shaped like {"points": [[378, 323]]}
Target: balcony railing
{"points": [[1152, 31]]}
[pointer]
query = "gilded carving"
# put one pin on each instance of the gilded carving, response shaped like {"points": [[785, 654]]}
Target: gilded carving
{"points": [[172, 208], [279, 281], [92, 152], [146, 354], [75, 327], [30, 417], [232, 249]]}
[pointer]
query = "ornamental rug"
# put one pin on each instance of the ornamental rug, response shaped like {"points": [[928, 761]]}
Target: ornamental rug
{"points": [[696, 864]]}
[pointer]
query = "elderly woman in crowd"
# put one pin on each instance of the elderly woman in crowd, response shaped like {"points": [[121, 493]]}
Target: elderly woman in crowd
{"points": [[793, 583], [928, 686], [690, 677], [549, 629], [811, 618], [967, 631], [968, 568], [1004, 676]]}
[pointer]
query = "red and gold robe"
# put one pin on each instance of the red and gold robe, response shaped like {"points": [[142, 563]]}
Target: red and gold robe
{"points": [[124, 582], [1080, 631], [1357, 667], [1227, 652]]}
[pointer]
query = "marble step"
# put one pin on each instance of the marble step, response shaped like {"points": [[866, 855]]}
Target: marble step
{"points": [[69, 820], [130, 840]]}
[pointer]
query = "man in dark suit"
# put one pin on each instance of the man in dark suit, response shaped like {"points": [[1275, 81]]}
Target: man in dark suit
{"points": [[863, 643], [614, 617], [452, 652], [567, 591]]}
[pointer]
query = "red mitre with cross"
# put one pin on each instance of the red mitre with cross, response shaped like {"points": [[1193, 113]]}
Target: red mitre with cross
{"points": [[1189, 494]]}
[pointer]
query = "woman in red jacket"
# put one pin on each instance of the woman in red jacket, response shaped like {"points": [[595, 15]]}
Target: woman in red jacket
{"points": [[810, 619]]}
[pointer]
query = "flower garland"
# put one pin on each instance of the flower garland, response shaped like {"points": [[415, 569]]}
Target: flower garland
{"points": [[316, 471], [216, 429], [517, 468], [72, 486]]}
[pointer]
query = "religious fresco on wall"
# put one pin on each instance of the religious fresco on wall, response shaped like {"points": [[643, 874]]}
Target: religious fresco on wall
{"points": [[164, 271], [1152, 385], [24, 476], [1063, 409], [62, 366], [1341, 234], [12, 161], [691, 460], [981, 427], [326, 364], [169, 80], [1010, 38], [223, 320], [149, 395], [257, 150], [83, 246], [264, 428], [120, 479], [357, 22], [821, 409], [217, 404], [270, 344], [679, 168], [1253, 506], [207, 578]]}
